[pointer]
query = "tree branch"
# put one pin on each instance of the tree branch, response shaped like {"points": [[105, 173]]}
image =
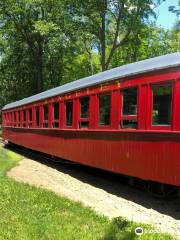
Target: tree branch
{"points": [[114, 46]]}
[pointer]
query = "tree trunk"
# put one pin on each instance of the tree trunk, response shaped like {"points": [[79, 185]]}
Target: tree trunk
{"points": [[39, 68], [91, 63], [103, 37]]}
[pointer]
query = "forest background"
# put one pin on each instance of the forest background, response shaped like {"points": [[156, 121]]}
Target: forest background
{"points": [[47, 43]]}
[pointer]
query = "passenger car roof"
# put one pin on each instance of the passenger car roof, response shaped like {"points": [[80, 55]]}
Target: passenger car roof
{"points": [[145, 66]]}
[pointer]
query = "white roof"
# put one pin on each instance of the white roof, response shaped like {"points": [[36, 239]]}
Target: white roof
{"points": [[148, 65]]}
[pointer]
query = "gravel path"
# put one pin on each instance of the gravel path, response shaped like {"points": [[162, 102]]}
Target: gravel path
{"points": [[100, 191]]}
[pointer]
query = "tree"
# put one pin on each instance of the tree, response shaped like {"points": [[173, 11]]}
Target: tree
{"points": [[150, 41], [110, 22], [34, 21]]}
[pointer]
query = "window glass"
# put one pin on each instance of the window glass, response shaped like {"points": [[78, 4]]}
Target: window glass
{"points": [[162, 99], [130, 101], [129, 108], [46, 112], [84, 102], [84, 112], [84, 124], [37, 116], [56, 110], [129, 123], [69, 113], [45, 123], [30, 117], [56, 115], [104, 109]]}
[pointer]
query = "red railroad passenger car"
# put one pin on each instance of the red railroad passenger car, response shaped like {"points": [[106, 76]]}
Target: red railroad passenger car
{"points": [[125, 120]]}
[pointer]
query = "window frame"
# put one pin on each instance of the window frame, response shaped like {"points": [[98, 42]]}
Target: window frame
{"points": [[18, 118], [130, 116], [107, 126], [161, 127], [39, 117], [83, 119], [45, 121], [55, 120], [24, 118], [65, 116], [29, 120]]}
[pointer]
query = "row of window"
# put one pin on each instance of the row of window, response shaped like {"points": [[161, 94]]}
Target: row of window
{"points": [[161, 110]]}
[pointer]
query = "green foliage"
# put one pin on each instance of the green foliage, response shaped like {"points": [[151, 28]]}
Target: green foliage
{"points": [[175, 41], [150, 41]]}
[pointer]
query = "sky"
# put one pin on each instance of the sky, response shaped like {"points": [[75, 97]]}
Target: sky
{"points": [[166, 19]]}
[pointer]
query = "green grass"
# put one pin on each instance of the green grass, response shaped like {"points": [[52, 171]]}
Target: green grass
{"points": [[30, 213], [8, 159]]}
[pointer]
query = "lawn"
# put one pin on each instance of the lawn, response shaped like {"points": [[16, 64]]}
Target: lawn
{"points": [[30, 213]]}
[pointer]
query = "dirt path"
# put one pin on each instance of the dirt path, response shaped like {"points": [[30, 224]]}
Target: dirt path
{"points": [[101, 192]]}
